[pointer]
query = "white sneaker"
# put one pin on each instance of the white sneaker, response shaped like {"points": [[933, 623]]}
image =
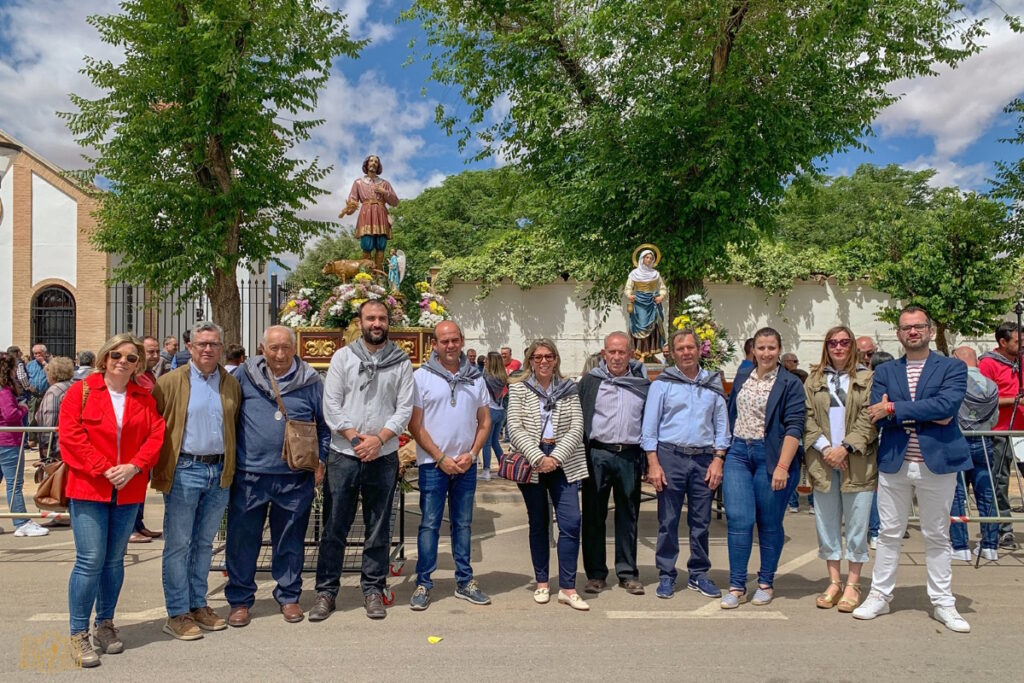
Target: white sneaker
{"points": [[964, 555], [951, 619], [873, 542], [30, 528], [874, 606], [987, 553], [485, 475]]}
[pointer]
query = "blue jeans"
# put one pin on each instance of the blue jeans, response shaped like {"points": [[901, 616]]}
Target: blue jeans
{"points": [[685, 475], [372, 242], [565, 497], [12, 469], [750, 500], [979, 478], [834, 508], [794, 499], [193, 512], [101, 532], [497, 421], [288, 499], [435, 488], [874, 522]]}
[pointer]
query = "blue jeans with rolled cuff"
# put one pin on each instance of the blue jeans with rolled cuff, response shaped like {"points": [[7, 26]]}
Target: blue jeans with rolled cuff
{"points": [[437, 487]]}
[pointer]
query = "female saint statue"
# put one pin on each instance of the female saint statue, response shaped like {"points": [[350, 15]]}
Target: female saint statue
{"points": [[645, 290]]}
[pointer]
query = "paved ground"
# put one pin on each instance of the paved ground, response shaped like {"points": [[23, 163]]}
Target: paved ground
{"points": [[686, 638]]}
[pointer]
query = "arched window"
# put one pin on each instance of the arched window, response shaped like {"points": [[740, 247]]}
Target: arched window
{"points": [[53, 321]]}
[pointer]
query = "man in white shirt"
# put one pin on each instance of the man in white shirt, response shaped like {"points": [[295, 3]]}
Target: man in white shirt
{"points": [[450, 422]]}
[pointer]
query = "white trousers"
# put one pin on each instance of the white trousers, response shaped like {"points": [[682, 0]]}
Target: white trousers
{"points": [[934, 497]]}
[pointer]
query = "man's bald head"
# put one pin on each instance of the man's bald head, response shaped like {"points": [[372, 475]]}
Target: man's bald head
{"points": [[968, 355]]}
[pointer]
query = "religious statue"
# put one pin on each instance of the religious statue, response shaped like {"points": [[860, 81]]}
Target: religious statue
{"points": [[370, 195], [396, 269], [645, 291]]}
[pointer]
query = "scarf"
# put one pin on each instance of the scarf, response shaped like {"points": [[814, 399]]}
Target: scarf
{"points": [[559, 389], [707, 380], [635, 379], [300, 375], [467, 373], [496, 387], [369, 363]]}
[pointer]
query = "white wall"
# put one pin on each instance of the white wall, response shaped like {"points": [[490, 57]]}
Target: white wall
{"points": [[513, 317], [54, 234], [7, 257]]}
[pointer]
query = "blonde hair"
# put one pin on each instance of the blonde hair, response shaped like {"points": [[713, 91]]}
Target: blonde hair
{"points": [[495, 366], [547, 344], [850, 367], [117, 340], [59, 369]]}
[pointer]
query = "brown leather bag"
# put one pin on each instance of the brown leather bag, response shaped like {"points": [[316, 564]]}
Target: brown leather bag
{"points": [[301, 449], [52, 493]]}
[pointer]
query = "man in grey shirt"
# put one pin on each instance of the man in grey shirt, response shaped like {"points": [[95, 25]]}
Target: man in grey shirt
{"points": [[368, 401]]}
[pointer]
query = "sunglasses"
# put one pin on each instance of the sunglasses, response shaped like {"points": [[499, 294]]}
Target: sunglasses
{"points": [[838, 343], [543, 356], [117, 355]]}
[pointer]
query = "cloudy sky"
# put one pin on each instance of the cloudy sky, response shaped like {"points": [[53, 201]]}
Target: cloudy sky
{"points": [[951, 122]]}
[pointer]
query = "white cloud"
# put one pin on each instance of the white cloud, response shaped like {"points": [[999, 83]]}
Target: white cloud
{"points": [[950, 173], [359, 25]]}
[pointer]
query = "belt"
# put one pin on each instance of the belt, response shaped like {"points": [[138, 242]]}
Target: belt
{"points": [[614, 447], [692, 450], [212, 459]]}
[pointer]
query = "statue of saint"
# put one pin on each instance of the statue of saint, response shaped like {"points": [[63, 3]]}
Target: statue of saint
{"points": [[370, 195], [645, 290]]}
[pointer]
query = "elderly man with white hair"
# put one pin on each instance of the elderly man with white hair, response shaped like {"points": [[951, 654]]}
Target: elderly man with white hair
{"points": [[264, 484]]}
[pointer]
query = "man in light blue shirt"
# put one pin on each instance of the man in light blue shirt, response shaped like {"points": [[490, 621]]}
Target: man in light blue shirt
{"points": [[685, 435]]}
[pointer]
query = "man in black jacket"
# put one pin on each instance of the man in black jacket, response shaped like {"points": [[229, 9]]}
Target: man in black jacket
{"points": [[613, 396]]}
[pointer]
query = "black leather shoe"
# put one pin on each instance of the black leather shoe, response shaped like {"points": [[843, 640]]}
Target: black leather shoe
{"points": [[374, 606], [632, 586], [322, 607]]}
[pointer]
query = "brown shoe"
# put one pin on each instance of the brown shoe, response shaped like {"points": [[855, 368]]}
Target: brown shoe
{"points": [[595, 586], [182, 627], [292, 613], [208, 620], [150, 533], [239, 616], [138, 537], [374, 604], [82, 653], [632, 586], [322, 607], [106, 638]]}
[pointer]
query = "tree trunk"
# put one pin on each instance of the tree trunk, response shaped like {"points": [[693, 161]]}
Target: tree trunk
{"points": [[940, 339], [678, 289], [227, 306]]}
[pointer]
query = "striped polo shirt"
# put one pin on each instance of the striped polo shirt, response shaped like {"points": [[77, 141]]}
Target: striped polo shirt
{"points": [[914, 368]]}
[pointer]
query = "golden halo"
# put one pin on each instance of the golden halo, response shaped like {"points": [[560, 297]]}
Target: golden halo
{"points": [[636, 255]]}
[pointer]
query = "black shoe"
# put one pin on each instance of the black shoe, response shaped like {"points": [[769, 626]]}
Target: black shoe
{"points": [[322, 608], [375, 606], [1007, 542]]}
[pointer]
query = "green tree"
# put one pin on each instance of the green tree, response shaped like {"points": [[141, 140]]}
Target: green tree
{"points": [[193, 131], [308, 271], [678, 122]]}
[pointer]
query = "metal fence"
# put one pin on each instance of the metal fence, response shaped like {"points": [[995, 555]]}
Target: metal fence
{"points": [[135, 309]]}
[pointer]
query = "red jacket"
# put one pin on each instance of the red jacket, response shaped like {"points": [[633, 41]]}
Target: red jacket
{"points": [[88, 440]]}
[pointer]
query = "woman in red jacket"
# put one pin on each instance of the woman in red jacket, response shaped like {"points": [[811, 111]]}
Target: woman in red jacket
{"points": [[110, 436]]}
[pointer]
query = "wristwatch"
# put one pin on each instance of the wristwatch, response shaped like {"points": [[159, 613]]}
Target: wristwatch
{"points": [[849, 449], [720, 455]]}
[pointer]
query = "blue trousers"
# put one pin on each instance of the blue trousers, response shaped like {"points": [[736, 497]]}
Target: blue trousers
{"points": [[749, 500], [685, 475], [288, 499], [101, 532], [371, 242], [12, 471], [979, 478], [458, 490], [565, 497], [492, 443]]}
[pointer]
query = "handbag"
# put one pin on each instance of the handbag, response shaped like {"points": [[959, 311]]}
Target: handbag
{"points": [[301, 449], [515, 467], [52, 492]]}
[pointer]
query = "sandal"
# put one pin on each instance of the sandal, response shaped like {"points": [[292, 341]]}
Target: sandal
{"points": [[827, 600], [847, 606]]}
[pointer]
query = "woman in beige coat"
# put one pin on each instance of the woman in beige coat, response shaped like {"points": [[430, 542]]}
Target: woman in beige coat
{"points": [[841, 453]]}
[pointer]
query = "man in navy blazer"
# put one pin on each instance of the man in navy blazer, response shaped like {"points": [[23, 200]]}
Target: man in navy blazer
{"points": [[914, 402]]}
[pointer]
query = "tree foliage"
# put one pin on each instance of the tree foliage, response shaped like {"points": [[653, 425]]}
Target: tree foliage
{"points": [[677, 122], [193, 131]]}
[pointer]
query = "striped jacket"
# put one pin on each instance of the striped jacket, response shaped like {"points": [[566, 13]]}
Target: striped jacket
{"points": [[524, 431]]}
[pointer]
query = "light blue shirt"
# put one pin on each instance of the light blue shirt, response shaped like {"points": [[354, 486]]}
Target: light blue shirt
{"points": [[204, 422], [685, 415]]}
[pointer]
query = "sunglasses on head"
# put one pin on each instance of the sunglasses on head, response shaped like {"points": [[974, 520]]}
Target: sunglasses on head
{"points": [[838, 343], [117, 355]]}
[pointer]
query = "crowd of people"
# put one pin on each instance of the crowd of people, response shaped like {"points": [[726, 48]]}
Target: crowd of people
{"points": [[872, 436]]}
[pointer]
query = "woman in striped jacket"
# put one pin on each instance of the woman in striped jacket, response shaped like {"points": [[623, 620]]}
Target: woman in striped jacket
{"points": [[545, 425]]}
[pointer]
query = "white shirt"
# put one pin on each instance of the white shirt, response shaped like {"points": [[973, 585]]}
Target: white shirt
{"points": [[117, 399], [452, 428]]}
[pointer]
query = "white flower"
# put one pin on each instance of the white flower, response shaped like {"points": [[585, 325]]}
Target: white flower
{"points": [[305, 293], [694, 298]]}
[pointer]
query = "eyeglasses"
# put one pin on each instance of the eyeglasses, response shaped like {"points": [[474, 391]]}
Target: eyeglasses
{"points": [[867, 354], [206, 345], [919, 327], [543, 357], [838, 343], [117, 355]]}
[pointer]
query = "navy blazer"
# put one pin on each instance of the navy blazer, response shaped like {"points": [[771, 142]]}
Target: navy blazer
{"points": [[940, 390], [785, 415]]}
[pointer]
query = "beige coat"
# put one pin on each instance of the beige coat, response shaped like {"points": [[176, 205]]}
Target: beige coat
{"points": [[862, 471]]}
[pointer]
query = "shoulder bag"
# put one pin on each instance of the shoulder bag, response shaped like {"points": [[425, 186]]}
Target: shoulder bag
{"points": [[301, 449]]}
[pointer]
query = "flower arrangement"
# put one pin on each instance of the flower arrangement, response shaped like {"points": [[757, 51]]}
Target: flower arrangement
{"points": [[433, 307], [300, 311], [343, 304], [716, 349]]}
